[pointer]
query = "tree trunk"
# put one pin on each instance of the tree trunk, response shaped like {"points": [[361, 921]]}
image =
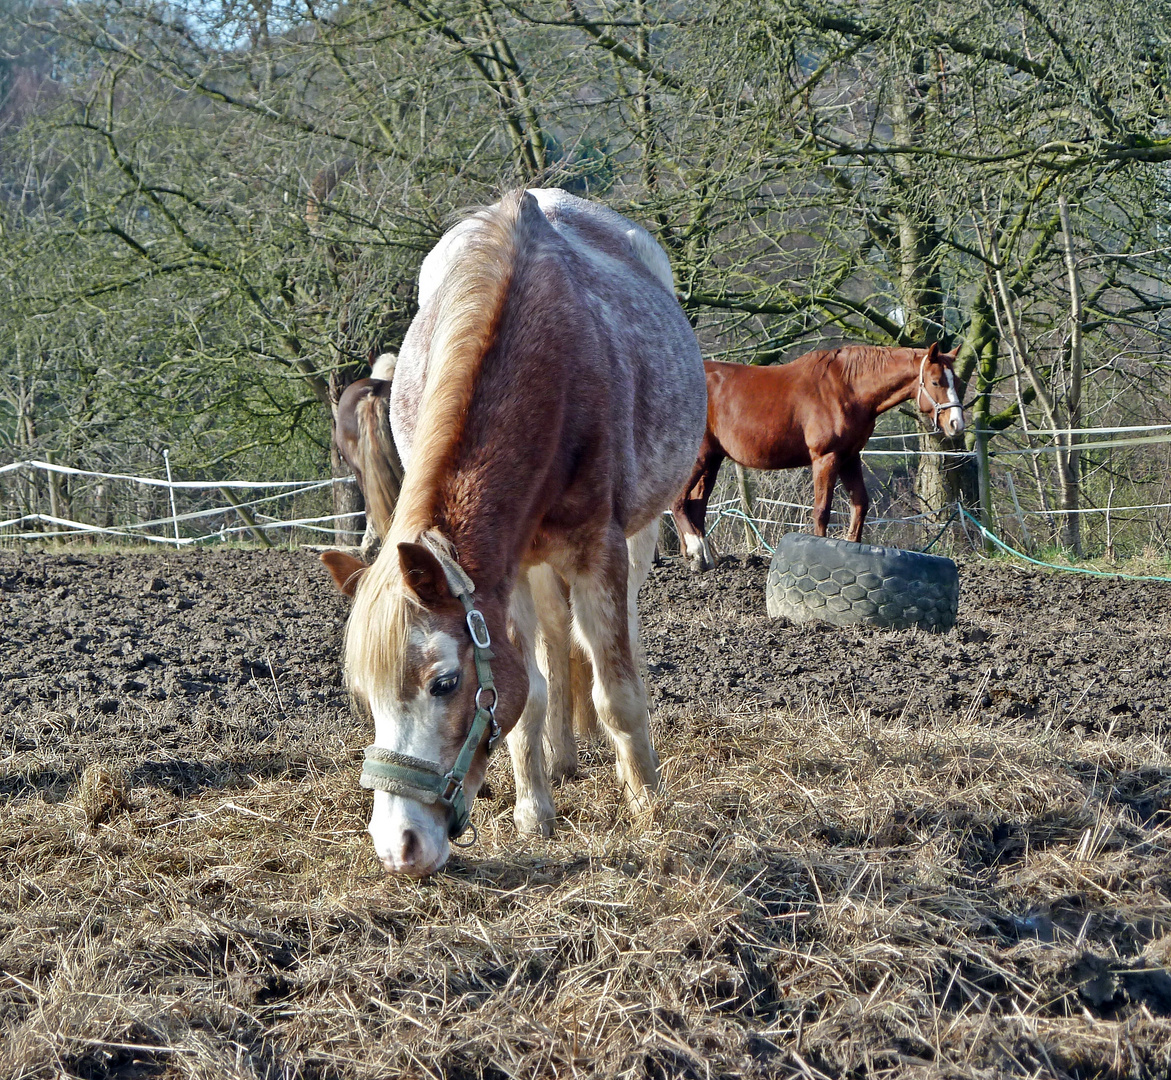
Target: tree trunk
{"points": [[1069, 458], [979, 356], [347, 499], [939, 480]]}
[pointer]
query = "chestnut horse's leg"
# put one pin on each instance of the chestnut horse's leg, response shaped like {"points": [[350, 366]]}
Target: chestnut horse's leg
{"points": [[851, 477], [825, 475], [601, 621], [690, 508], [551, 596], [534, 801]]}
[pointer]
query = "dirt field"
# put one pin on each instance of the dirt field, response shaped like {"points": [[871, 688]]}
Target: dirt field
{"points": [[877, 853]]}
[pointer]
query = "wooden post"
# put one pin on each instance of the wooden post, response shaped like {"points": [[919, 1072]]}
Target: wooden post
{"points": [[984, 483], [246, 516], [746, 506], [1020, 516], [54, 489]]}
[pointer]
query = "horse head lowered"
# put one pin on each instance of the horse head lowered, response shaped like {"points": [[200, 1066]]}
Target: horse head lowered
{"points": [[547, 402]]}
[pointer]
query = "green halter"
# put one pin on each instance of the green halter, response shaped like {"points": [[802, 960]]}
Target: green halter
{"points": [[425, 782]]}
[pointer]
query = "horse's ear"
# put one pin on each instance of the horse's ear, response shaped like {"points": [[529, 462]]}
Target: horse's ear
{"points": [[933, 352], [346, 570], [423, 574]]}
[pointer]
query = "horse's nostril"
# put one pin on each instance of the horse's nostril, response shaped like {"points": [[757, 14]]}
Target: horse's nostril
{"points": [[411, 848]]}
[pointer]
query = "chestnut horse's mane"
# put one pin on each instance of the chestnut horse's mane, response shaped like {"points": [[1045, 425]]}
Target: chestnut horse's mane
{"points": [[469, 306], [859, 359]]}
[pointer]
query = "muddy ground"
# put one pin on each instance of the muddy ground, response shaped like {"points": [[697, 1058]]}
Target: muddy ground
{"points": [[252, 634], [878, 853]]}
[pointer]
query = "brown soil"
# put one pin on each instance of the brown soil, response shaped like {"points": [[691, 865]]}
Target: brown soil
{"points": [[877, 852]]}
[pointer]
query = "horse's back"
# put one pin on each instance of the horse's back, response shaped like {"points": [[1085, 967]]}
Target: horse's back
{"points": [[758, 415], [650, 358], [617, 340]]}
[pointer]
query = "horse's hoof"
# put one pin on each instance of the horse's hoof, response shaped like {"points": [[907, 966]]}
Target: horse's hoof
{"points": [[533, 817], [641, 800], [561, 769]]}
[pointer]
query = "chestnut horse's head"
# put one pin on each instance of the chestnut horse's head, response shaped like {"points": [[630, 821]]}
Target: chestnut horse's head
{"points": [[440, 686], [937, 392]]}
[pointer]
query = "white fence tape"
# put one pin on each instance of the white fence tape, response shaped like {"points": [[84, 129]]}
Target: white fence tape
{"points": [[178, 485], [139, 530], [283, 489]]}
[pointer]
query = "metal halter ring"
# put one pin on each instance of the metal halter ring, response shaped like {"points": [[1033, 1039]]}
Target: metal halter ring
{"points": [[475, 836], [490, 709]]}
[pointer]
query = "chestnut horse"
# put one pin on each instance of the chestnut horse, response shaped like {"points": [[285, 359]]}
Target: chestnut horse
{"points": [[547, 404], [817, 410]]}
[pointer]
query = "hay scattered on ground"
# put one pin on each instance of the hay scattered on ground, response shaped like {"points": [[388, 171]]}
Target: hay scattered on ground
{"points": [[821, 895]]}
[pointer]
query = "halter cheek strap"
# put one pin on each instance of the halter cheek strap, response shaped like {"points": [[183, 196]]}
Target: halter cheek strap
{"points": [[425, 782]]}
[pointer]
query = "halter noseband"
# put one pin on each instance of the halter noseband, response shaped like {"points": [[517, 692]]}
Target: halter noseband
{"points": [[936, 406], [423, 781]]}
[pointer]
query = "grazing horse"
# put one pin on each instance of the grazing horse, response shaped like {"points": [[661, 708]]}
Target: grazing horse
{"points": [[817, 410], [547, 404], [365, 442]]}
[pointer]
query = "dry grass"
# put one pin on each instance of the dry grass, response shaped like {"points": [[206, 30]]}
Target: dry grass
{"points": [[818, 896]]}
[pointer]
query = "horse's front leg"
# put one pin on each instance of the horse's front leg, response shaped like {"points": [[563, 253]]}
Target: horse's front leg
{"points": [[601, 621], [825, 475], [534, 811], [855, 485]]}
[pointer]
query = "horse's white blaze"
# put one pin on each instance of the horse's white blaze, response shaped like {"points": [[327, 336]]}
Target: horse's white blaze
{"points": [[955, 415], [413, 727], [693, 544]]}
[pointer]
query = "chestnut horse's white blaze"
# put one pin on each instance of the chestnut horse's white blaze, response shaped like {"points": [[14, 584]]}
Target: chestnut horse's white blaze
{"points": [[547, 404]]}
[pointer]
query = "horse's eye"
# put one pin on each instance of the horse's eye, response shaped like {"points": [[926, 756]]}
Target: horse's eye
{"points": [[445, 684]]}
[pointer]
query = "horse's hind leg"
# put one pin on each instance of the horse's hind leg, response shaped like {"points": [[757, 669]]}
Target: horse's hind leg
{"points": [[690, 509], [551, 597], [534, 801], [855, 485], [601, 621], [641, 552]]}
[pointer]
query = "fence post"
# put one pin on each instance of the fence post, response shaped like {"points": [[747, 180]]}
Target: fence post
{"points": [[1020, 516], [54, 489], [171, 492], [746, 506]]}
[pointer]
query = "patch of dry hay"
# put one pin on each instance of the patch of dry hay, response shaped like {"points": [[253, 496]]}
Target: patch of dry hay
{"points": [[822, 896], [102, 793]]}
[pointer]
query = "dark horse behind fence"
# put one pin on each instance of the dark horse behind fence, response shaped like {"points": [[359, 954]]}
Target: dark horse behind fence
{"points": [[818, 410]]}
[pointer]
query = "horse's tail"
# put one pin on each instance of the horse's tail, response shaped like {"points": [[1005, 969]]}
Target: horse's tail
{"points": [[470, 303], [378, 462]]}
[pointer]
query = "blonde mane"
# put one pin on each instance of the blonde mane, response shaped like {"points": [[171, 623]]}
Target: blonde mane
{"points": [[469, 303]]}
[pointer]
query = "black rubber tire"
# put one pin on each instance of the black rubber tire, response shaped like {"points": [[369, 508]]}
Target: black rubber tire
{"points": [[815, 579]]}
